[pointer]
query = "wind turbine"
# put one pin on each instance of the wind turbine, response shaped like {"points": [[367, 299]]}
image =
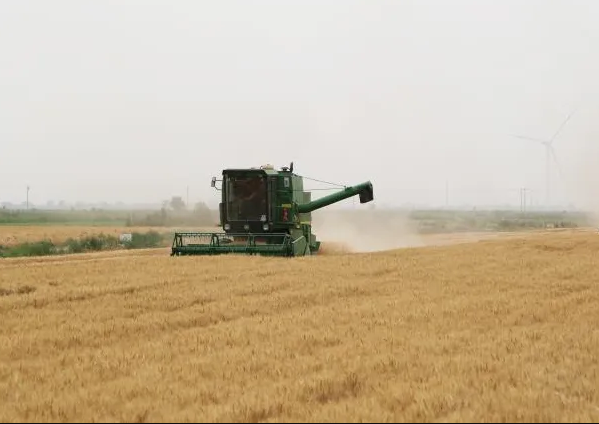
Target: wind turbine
{"points": [[549, 154]]}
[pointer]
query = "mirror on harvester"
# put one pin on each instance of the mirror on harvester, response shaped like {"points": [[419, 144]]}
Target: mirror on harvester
{"points": [[213, 183]]}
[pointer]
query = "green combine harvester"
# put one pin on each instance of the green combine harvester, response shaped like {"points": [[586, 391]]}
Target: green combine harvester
{"points": [[264, 212]]}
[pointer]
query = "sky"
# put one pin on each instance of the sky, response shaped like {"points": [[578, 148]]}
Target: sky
{"points": [[136, 101]]}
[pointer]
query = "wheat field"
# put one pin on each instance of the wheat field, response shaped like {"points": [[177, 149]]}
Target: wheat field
{"points": [[11, 235], [495, 330]]}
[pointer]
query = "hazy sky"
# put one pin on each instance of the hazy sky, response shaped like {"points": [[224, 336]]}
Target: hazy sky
{"points": [[136, 100]]}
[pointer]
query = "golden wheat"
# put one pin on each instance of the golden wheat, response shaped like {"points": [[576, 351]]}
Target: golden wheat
{"points": [[11, 235], [499, 330]]}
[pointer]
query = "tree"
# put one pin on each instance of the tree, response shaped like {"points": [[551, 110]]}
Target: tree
{"points": [[178, 204], [202, 214], [201, 207]]}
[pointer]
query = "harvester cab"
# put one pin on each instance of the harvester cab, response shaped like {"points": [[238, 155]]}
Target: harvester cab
{"points": [[264, 211]]}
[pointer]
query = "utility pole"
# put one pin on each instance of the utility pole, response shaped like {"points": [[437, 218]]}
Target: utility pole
{"points": [[27, 197], [187, 201], [548, 176], [523, 200]]}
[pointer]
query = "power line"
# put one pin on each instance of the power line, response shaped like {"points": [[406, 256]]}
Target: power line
{"points": [[317, 189], [324, 182]]}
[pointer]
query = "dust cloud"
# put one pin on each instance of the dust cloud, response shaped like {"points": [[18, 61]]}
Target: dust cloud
{"points": [[582, 179], [364, 230]]}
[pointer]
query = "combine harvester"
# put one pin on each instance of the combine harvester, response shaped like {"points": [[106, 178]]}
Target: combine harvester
{"points": [[264, 212]]}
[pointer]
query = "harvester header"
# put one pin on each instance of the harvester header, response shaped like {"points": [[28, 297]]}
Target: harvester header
{"points": [[264, 211]]}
